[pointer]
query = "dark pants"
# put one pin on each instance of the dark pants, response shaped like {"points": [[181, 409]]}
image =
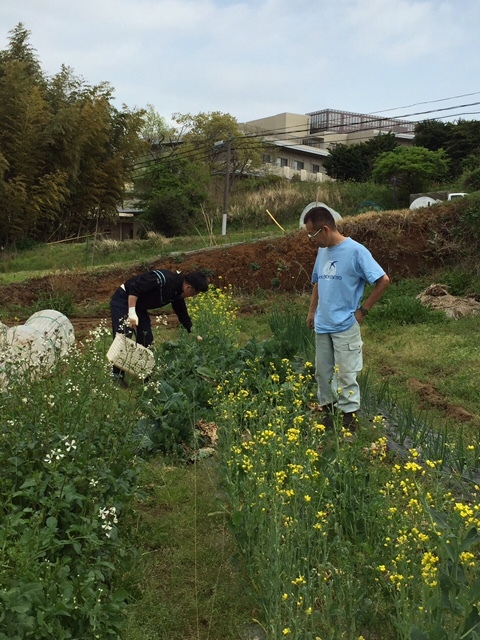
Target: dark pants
{"points": [[119, 313]]}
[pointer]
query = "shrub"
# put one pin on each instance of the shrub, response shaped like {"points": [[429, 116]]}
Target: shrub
{"points": [[471, 180], [469, 226], [60, 301]]}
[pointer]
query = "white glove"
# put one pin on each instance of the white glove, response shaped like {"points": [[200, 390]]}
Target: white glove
{"points": [[132, 317]]}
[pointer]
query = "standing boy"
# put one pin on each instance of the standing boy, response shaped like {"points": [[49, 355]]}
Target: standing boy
{"points": [[342, 268]]}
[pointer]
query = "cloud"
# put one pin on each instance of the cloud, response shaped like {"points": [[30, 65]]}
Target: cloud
{"points": [[253, 58], [403, 31]]}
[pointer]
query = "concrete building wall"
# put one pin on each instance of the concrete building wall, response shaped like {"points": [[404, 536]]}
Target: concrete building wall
{"points": [[285, 125]]}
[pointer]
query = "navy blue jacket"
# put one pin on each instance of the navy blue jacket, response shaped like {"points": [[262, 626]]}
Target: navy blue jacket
{"points": [[158, 288]]}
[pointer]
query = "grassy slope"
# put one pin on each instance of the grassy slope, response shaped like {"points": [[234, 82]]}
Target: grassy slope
{"points": [[44, 259]]}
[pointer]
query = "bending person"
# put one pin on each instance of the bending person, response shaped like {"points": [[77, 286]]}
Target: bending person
{"points": [[133, 299]]}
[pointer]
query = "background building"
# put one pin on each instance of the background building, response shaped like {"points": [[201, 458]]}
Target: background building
{"points": [[297, 144]]}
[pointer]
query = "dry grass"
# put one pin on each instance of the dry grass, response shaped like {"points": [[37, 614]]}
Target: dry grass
{"points": [[437, 296]]}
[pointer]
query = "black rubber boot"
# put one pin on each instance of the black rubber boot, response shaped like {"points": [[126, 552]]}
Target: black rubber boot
{"points": [[350, 421], [327, 415]]}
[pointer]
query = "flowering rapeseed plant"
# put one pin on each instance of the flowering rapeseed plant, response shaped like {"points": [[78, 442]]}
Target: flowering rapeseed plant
{"points": [[304, 504]]}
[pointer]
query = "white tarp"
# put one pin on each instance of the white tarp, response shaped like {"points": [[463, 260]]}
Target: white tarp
{"points": [[31, 349]]}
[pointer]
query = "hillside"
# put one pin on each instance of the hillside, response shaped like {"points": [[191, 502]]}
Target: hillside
{"points": [[406, 243]]}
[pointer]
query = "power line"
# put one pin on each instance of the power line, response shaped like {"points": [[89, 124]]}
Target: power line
{"points": [[365, 120], [416, 104], [204, 151]]}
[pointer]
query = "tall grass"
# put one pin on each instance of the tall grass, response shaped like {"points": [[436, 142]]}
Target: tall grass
{"points": [[286, 201]]}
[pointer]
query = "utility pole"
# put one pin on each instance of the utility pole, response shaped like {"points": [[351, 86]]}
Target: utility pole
{"points": [[227, 187], [226, 190]]}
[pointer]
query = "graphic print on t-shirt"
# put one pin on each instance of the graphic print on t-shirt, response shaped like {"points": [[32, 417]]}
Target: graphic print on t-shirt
{"points": [[329, 271]]}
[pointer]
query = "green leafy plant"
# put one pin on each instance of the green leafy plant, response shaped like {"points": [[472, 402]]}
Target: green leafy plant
{"points": [[275, 283], [68, 477], [62, 302]]}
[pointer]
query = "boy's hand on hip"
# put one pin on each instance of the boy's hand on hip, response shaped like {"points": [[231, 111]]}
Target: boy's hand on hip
{"points": [[359, 317]]}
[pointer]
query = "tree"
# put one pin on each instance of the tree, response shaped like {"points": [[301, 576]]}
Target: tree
{"points": [[21, 51], [25, 114], [355, 162], [181, 171], [202, 136], [463, 144], [171, 193], [345, 163], [154, 129], [460, 141], [471, 179], [66, 151], [412, 169], [433, 134]]}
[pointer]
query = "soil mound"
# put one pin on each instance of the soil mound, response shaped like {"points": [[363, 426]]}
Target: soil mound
{"points": [[405, 243]]}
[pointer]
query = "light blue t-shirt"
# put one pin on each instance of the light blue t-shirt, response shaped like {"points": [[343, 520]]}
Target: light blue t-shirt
{"points": [[341, 273]]}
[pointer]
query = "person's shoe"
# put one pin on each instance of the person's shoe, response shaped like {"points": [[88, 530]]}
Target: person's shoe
{"points": [[120, 381], [350, 421], [327, 414]]}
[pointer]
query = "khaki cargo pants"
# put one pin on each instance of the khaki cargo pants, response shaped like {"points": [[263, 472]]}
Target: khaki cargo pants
{"points": [[338, 360]]}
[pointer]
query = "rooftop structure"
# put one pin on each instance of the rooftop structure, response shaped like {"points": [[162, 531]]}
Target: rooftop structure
{"points": [[331, 120]]}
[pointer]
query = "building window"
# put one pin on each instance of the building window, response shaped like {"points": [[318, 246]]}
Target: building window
{"points": [[298, 165], [266, 158], [283, 162], [315, 168]]}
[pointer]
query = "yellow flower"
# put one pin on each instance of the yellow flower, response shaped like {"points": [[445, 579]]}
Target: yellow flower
{"points": [[429, 568], [295, 468], [413, 466], [463, 510], [311, 455], [293, 435], [286, 631], [466, 558]]}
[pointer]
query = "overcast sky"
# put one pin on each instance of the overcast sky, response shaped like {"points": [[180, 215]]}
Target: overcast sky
{"points": [[255, 58]]}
